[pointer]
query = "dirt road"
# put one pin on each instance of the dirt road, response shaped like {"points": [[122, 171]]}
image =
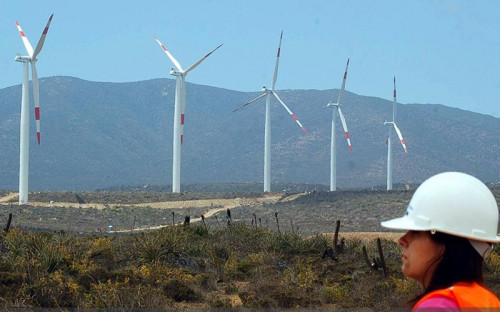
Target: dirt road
{"points": [[227, 203], [212, 206]]}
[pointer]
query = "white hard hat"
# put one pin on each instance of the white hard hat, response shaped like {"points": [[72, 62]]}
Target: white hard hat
{"points": [[454, 203]]}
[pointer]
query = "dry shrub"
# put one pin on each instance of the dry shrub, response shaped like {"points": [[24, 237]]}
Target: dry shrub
{"points": [[258, 297], [403, 287], [301, 277], [106, 295], [220, 303], [155, 246], [53, 290], [292, 288], [239, 267], [492, 264], [206, 281], [50, 254], [334, 293], [10, 282], [124, 295], [180, 291]]}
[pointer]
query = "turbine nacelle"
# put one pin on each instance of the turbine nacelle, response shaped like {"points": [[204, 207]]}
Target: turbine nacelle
{"points": [[264, 89], [330, 104], [174, 72], [23, 59]]}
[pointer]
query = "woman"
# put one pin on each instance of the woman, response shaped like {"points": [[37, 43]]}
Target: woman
{"points": [[452, 222]]}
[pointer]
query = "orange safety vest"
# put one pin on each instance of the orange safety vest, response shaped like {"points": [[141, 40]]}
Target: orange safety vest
{"points": [[466, 295]]}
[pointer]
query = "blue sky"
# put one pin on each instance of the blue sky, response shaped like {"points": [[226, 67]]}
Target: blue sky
{"points": [[441, 51]]}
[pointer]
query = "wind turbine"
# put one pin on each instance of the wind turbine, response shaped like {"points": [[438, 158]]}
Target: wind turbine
{"points": [[25, 116], [267, 131], [333, 146], [179, 112], [392, 124]]}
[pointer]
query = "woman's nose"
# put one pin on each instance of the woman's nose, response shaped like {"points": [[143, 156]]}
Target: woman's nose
{"points": [[402, 241]]}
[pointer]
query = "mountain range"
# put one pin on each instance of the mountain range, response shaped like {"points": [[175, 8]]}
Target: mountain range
{"points": [[99, 134]]}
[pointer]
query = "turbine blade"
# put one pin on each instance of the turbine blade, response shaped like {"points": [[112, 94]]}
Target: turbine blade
{"points": [[36, 100], [275, 76], [344, 125], [251, 101], [400, 136], [341, 93], [183, 109], [200, 60], [394, 102], [394, 95], [26, 42], [290, 112], [170, 56], [42, 38]]}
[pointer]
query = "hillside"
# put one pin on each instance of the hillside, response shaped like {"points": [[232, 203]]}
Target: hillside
{"points": [[99, 135]]}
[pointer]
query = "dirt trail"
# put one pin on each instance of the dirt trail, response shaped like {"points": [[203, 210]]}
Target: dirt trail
{"points": [[225, 203], [258, 201], [213, 206], [7, 198], [292, 197]]}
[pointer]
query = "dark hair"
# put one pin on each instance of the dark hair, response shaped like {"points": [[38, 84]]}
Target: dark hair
{"points": [[460, 262]]}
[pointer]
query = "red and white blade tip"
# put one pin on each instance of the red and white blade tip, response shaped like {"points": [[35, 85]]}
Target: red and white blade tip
{"points": [[348, 140], [220, 45], [344, 126], [346, 67], [161, 44], [46, 29], [298, 122], [404, 145], [400, 136], [394, 95], [279, 47]]}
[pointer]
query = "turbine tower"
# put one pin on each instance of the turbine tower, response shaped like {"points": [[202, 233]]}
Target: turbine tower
{"points": [[389, 145], [333, 146], [179, 112], [25, 116], [267, 128]]}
